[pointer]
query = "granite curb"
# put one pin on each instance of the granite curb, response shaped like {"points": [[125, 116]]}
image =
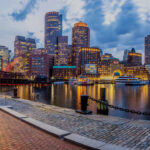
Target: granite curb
{"points": [[74, 138]]}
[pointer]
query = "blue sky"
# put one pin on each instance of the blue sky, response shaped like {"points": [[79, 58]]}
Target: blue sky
{"points": [[115, 24]]}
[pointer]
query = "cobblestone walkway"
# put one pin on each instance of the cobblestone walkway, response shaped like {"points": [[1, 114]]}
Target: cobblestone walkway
{"points": [[113, 130], [17, 135]]}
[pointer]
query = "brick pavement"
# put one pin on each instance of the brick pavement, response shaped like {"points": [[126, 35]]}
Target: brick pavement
{"points": [[17, 135]]}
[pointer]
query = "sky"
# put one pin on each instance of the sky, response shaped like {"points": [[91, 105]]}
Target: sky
{"points": [[114, 25]]}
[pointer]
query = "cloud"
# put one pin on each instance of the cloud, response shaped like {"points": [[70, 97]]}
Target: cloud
{"points": [[111, 9], [115, 24], [22, 14]]}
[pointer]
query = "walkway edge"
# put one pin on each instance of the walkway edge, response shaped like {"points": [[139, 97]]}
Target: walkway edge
{"points": [[93, 144], [70, 137], [38, 124]]}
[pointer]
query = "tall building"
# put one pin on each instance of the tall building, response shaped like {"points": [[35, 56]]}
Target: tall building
{"points": [[147, 49], [20, 46], [125, 56], [53, 29], [31, 44], [80, 38], [62, 50], [134, 59], [5, 56], [23, 45], [70, 55]]}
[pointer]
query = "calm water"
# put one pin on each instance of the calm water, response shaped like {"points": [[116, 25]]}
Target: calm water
{"points": [[131, 97]]}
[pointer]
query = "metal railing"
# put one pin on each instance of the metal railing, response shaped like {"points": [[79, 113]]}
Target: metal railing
{"points": [[119, 108]]}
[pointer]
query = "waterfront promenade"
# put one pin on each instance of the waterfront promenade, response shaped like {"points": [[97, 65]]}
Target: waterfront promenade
{"points": [[17, 135], [132, 134]]}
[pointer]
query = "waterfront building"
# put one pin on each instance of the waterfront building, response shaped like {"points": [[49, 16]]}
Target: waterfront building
{"points": [[80, 38], [108, 59], [64, 72], [40, 64], [4, 56], [53, 29], [89, 59], [110, 71], [125, 56], [134, 59], [147, 49], [62, 51], [138, 71], [89, 55]]}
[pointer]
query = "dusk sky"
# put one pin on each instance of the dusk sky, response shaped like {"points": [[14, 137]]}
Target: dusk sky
{"points": [[115, 24]]}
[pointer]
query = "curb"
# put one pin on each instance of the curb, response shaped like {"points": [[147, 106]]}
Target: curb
{"points": [[67, 136]]}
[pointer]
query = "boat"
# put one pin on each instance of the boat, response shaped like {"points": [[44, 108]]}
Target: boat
{"points": [[84, 81], [130, 80]]}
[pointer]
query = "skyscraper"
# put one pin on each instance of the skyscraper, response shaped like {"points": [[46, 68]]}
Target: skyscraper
{"points": [[62, 50], [80, 38], [23, 45], [53, 29], [31, 44], [20, 46], [125, 56], [147, 49]]}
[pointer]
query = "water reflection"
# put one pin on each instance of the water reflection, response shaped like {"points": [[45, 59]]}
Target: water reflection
{"points": [[131, 97]]}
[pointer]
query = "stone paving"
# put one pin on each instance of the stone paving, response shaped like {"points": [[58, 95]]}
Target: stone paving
{"points": [[113, 130], [17, 135]]}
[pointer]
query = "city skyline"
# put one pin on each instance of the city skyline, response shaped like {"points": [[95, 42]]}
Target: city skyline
{"points": [[108, 15]]}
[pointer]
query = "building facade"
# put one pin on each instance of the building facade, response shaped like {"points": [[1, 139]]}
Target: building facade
{"points": [[53, 29], [147, 49], [89, 55], [62, 51], [80, 38], [125, 56], [5, 56], [134, 59], [64, 72], [31, 44], [20, 46], [23, 46], [40, 64]]}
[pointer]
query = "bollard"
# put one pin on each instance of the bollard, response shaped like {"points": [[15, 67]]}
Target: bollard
{"points": [[15, 93], [101, 108], [103, 94], [84, 104]]}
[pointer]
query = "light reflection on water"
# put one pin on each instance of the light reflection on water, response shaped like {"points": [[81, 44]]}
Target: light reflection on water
{"points": [[131, 97]]}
